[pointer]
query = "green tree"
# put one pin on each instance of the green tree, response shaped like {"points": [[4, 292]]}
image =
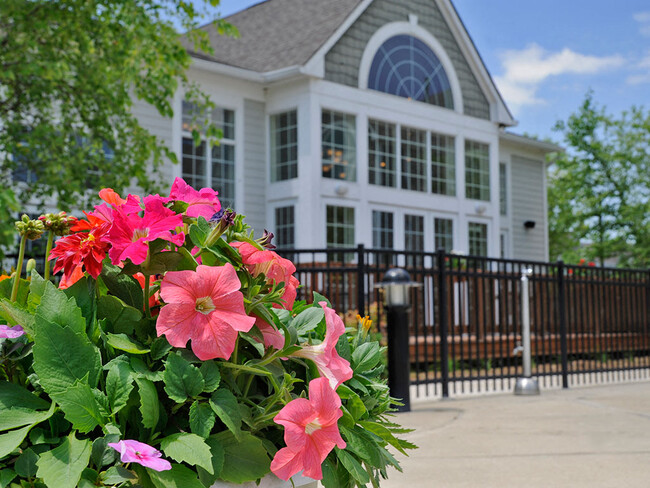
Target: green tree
{"points": [[70, 71], [599, 189]]}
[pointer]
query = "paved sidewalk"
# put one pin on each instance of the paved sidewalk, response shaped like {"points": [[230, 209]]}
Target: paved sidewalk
{"points": [[597, 436]]}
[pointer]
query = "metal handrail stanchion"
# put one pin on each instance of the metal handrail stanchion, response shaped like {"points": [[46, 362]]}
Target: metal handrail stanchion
{"points": [[526, 384]]}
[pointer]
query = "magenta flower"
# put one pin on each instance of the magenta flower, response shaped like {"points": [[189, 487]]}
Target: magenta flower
{"points": [[130, 234], [275, 269], [7, 332], [138, 452], [204, 306], [327, 359], [201, 203], [310, 432], [272, 336]]}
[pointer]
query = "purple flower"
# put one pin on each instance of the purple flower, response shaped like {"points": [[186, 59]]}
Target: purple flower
{"points": [[7, 332], [138, 452]]}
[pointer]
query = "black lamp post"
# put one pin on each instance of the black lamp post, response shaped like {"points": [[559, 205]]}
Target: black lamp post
{"points": [[397, 285]]}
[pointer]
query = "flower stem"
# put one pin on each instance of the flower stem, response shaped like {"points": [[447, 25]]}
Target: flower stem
{"points": [[19, 268], [145, 291], [48, 249]]}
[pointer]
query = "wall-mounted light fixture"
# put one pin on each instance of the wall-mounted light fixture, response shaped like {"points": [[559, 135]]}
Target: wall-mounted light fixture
{"points": [[529, 224]]}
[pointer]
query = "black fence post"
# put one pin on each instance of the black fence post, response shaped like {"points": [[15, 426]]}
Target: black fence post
{"points": [[561, 305], [442, 317], [361, 279]]}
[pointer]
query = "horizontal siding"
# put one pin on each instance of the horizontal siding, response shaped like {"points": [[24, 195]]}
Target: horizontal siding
{"points": [[528, 204], [254, 173]]}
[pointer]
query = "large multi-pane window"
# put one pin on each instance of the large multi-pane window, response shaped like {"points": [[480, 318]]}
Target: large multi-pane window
{"points": [[381, 153], [477, 170], [503, 189], [443, 165], [414, 238], [382, 234], [414, 159], [285, 227], [340, 226], [284, 146], [443, 234], [339, 151], [478, 239], [203, 166]]}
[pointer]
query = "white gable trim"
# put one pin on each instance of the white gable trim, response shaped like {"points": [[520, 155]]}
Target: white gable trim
{"points": [[396, 28], [500, 112]]}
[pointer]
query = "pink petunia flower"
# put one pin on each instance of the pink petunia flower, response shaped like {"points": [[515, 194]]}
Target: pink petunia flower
{"points": [[327, 359], [7, 332], [310, 432], [206, 307], [138, 452], [201, 203], [275, 268], [130, 234], [272, 336]]}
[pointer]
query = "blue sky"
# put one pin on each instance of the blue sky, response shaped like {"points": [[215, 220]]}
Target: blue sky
{"points": [[545, 55]]}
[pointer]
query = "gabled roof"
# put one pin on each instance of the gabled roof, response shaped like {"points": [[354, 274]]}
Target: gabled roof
{"points": [[276, 34]]}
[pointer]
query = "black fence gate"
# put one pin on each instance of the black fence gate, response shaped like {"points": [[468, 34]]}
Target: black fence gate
{"points": [[588, 324]]}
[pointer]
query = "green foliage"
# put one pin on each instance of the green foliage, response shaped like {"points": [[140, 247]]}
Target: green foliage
{"points": [[598, 189], [70, 71]]}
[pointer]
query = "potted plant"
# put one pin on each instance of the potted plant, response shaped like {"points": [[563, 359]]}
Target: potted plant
{"points": [[173, 353]]}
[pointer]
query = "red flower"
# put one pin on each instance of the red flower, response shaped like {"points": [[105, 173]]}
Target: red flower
{"points": [[83, 249]]}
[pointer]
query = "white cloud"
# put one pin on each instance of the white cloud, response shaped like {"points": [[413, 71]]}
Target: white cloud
{"points": [[644, 76], [525, 70], [643, 18]]}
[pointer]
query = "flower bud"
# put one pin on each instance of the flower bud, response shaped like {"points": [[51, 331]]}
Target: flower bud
{"points": [[266, 240], [59, 224], [31, 229], [30, 266]]}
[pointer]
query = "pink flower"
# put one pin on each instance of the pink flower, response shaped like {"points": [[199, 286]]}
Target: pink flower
{"points": [[310, 432], [130, 234], [272, 336], [138, 452], [7, 332], [201, 203], [275, 268], [327, 359], [205, 306]]}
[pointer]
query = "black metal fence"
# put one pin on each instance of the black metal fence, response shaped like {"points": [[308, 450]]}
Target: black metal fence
{"points": [[588, 324]]}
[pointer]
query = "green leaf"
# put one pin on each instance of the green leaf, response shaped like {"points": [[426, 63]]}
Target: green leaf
{"points": [[245, 459], [225, 405], [162, 262], [187, 262], [199, 232], [160, 347], [14, 315], [102, 454], [123, 286], [189, 448], [122, 342], [13, 395], [353, 466], [62, 467], [182, 379], [26, 464], [356, 407], [23, 290], [366, 356], [6, 475], [57, 308], [217, 458], [211, 376], [116, 475], [18, 417], [11, 440], [80, 407], [36, 290], [178, 477], [308, 320], [363, 445], [123, 318], [83, 292], [320, 298], [384, 433], [202, 419], [119, 383], [149, 404], [63, 356]]}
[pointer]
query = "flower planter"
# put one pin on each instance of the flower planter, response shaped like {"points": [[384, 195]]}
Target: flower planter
{"points": [[272, 481]]}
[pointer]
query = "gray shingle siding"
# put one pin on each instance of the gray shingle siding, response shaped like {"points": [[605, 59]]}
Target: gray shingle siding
{"points": [[254, 165], [342, 61], [528, 204]]}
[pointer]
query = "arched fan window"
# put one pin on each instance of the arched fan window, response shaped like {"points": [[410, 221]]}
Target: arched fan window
{"points": [[405, 66]]}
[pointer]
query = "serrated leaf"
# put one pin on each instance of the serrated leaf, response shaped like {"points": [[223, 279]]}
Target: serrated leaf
{"points": [[178, 477], [122, 286], [62, 467], [11, 440], [384, 433], [353, 466], [18, 417], [217, 458], [308, 320], [122, 317], [149, 404], [26, 464], [363, 445], [182, 379], [160, 347], [202, 419], [36, 290], [225, 405], [102, 454], [83, 293], [141, 370], [13, 395], [80, 407], [57, 308], [14, 315], [211, 375], [188, 448], [365, 357], [356, 407], [122, 342], [119, 383], [116, 475], [245, 459], [6, 476]]}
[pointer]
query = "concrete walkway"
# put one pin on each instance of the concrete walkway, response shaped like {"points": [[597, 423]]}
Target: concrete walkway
{"points": [[597, 436]]}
